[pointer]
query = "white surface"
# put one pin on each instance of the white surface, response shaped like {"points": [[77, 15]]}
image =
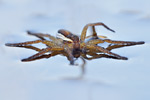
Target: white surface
{"points": [[106, 79]]}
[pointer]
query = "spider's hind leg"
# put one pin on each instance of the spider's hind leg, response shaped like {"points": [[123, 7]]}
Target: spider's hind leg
{"points": [[123, 42]]}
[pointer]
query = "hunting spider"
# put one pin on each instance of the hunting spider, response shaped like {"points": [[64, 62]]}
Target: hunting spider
{"points": [[73, 46]]}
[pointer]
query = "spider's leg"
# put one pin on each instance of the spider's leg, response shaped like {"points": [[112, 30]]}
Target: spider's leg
{"points": [[41, 35], [99, 36], [37, 55], [83, 34], [44, 56], [40, 53], [118, 46], [30, 47], [101, 49], [23, 43], [83, 66], [70, 56], [124, 42], [36, 34], [94, 42], [49, 43], [95, 56]]}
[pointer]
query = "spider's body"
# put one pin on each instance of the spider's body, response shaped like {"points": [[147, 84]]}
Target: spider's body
{"points": [[73, 46]]}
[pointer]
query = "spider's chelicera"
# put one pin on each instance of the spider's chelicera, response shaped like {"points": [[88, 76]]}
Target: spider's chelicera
{"points": [[73, 46]]}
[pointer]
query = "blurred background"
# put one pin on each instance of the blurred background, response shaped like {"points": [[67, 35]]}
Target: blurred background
{"points": [[47, 79]]}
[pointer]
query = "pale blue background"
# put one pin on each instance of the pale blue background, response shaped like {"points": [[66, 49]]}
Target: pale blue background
{"points": [[106, 79]]}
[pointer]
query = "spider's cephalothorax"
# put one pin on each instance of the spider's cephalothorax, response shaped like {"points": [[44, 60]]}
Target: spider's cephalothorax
{"points": [[72, 46], [75, 42]]}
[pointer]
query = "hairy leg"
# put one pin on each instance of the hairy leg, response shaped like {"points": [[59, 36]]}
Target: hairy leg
{"points": [[94, 42], [49, 43], [41, 35], [40, 53], [44, 56], [83, 34], [103, 50], [118, 46], [30, 47], [123, 42]]}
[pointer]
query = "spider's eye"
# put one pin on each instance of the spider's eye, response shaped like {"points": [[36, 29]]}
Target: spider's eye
{"points": [[60, 36]]}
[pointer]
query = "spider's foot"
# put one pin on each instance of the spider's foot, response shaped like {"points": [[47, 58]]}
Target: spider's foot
{"points": [[10, 44], [27, 59], [71, 62], [15, 45], [140, 42], [123, 58]]}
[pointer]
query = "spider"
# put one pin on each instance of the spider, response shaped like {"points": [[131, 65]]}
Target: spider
{"points": [[73, 46]]}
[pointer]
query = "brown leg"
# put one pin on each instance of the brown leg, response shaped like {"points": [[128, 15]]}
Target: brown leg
{"points": [[83, 67], [30, 47], [94, 34], [83, 34], [41, 53], [118, 46], [41, 35], [94, 31], [49, 43], [22, 44], [95, 56], [94, 42], [124, 42], [44, 56], [103, 50], [70, 56]]}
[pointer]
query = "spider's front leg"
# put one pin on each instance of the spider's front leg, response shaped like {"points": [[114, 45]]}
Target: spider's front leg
{"points": [[49, 43], [84, 31], [41, 35]]}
